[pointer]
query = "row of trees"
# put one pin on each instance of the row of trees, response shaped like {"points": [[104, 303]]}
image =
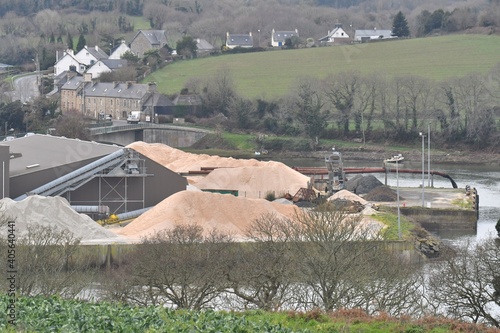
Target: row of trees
{"points": [[368, 107], [320, 259], [29, 27]]}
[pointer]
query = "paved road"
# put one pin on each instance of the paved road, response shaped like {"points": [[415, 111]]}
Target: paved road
{"points": [[25, 88]]}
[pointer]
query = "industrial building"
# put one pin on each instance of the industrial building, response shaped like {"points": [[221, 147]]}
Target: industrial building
{"points": [[95, 178]]}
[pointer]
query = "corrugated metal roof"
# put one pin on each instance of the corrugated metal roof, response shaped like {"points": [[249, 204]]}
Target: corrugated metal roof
{"points": [[40, 152], [373, 33]]}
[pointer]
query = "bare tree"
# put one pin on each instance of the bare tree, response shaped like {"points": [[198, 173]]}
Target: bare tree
{"points": [[156, 13], [72, 124], [335, 251], [180, 267], [466, 286], [473, 100], [341, 90], [416, 94], [261, 272], [219, 94], [309, 111], [49, 262]]}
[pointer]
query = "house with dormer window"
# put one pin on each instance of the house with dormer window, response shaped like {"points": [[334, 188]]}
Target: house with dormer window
{"points": [[146, 40], [278, 38], [239, 40]]}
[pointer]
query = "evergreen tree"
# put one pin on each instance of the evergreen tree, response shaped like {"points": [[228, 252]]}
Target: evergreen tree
{"points": [[400, 26], [81, 43], [69, 42], [187, 47]]}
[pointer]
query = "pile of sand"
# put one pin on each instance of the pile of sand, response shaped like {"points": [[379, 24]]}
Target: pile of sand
{"points": [[347, 195], [224, 212], [251, 177], [255, 182], [54, 212], [182, 162]]}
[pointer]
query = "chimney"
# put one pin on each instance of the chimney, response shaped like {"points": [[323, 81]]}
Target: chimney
{"points": [[97, 48], [152, 87], [87, 77], [129, 84]]}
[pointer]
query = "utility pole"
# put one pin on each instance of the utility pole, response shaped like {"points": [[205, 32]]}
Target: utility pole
{"points": [[429, 155]]}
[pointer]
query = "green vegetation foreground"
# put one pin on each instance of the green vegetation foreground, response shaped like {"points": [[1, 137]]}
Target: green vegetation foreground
{"points": [[53, 314]]}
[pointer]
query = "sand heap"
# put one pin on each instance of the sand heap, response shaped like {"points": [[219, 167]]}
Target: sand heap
{"points": [[223, 212], [252, 178], [53, 212], [347, 195], [179, 161], [255, 182]]}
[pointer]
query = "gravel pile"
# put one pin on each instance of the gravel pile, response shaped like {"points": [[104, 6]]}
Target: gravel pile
{"points": [[362, 184], [382, 194]]}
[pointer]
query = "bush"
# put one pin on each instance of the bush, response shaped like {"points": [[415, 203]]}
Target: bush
{"points": [[270, 196]]}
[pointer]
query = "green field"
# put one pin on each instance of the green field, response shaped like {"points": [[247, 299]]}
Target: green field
{"points": [[271, 74]]}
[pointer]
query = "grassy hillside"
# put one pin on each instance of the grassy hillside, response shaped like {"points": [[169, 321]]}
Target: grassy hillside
{"points": [[271, 74]]}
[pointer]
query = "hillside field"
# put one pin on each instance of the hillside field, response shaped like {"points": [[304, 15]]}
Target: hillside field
{"points": [[271, 74]]}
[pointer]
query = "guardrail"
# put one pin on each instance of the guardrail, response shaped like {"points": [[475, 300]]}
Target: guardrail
{"points": [[130, 127]]}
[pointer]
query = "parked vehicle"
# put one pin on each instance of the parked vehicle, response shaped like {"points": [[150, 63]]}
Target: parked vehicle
{"points": [[135, 117]]}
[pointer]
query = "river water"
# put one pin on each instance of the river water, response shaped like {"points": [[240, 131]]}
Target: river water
{"points": [[485, 178]]}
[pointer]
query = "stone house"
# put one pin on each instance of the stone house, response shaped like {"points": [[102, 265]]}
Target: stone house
{"points": [[93, 98], [146, 40]]}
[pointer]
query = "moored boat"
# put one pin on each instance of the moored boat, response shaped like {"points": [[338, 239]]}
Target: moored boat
{"points": [[395, 159]]}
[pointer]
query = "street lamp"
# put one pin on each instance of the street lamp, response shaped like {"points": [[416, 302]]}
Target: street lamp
{"points": [[397, 194], [429, 154], [423, 166]]}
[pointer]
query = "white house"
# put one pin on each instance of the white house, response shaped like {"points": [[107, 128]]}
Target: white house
{"points": [[278, 38], [373, 34], [336, 36], [68, 62], [119, 50], [90, 55], [106, 65]]}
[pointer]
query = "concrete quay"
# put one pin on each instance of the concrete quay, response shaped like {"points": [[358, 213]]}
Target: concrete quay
{"points": [[442, 208]]}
